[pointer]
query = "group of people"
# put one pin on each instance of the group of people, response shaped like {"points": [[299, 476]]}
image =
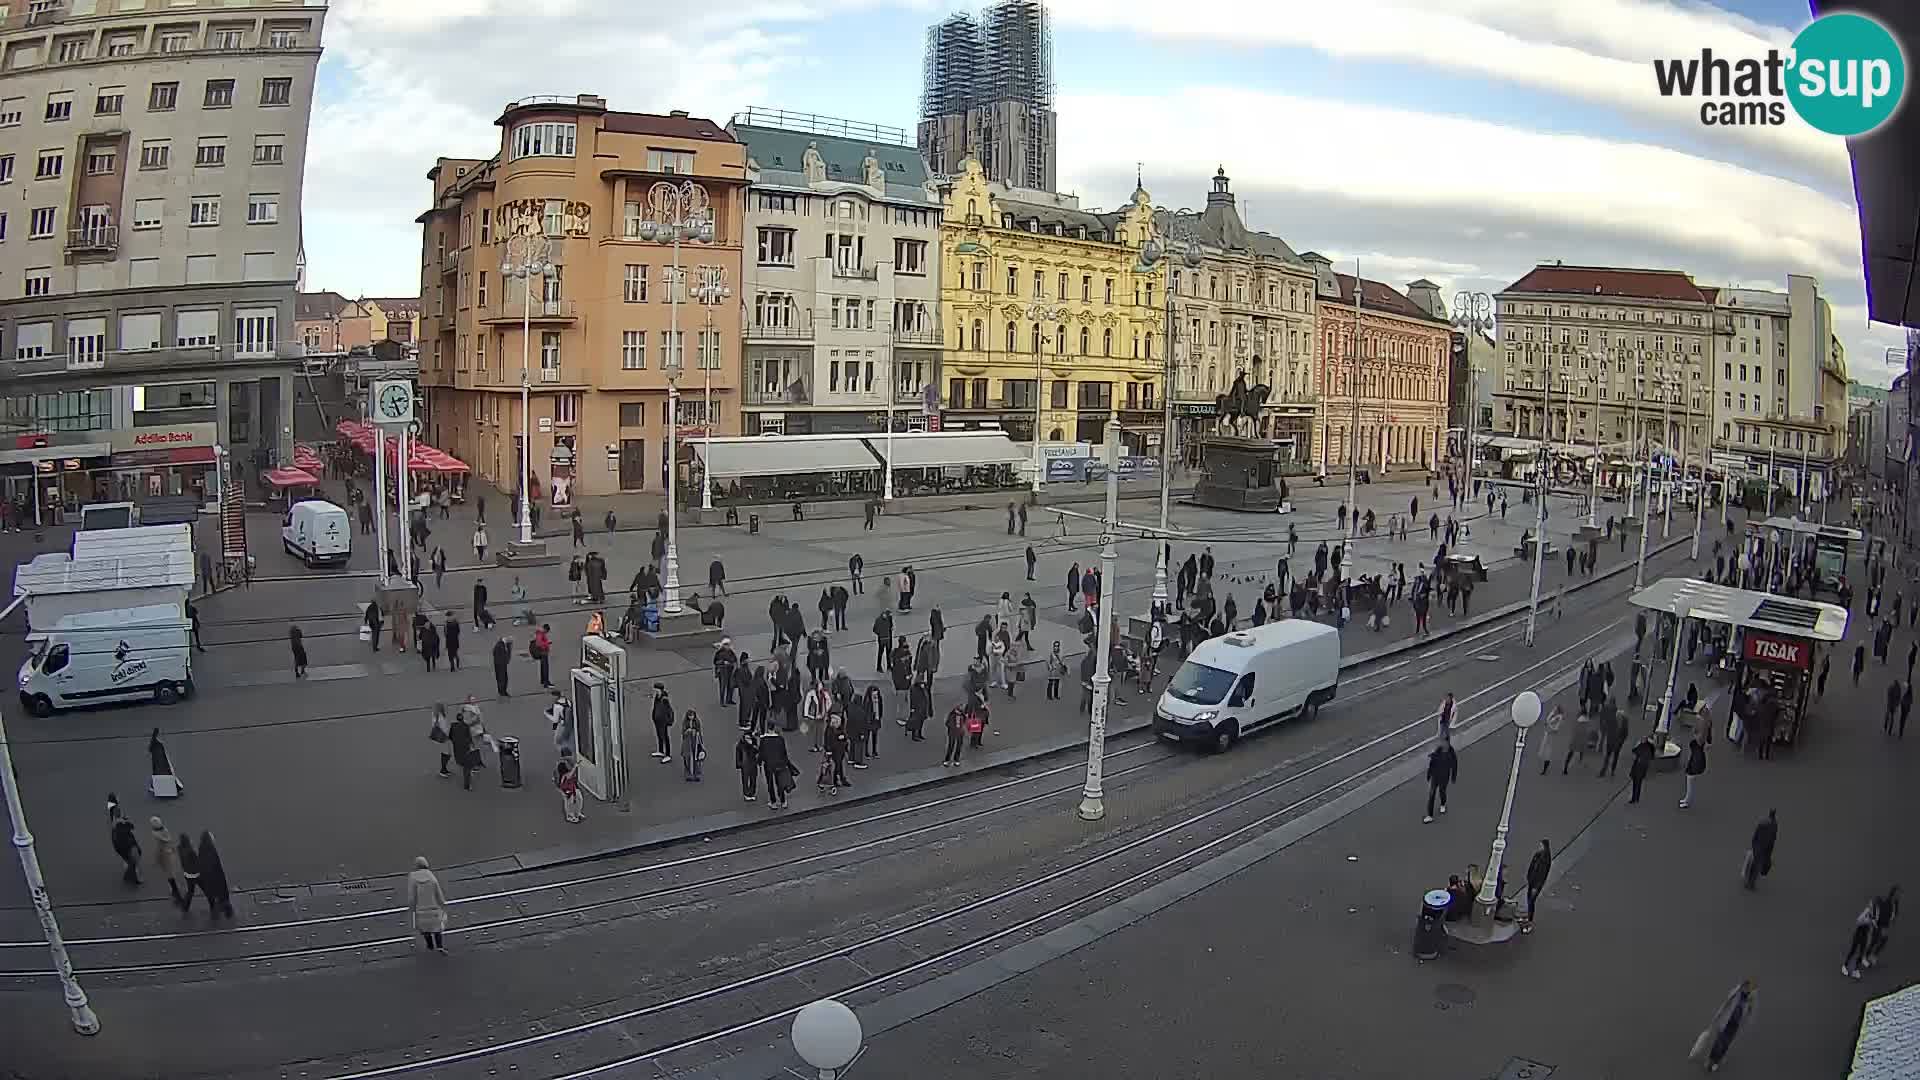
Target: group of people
{"points": [[189, 867]]}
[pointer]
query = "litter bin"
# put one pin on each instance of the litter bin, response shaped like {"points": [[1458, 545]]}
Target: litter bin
{"points": [[509, 761], [1429, 934], [753, 523]]}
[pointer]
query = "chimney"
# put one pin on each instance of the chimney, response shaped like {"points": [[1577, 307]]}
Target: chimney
{"points": [[679, 114]]}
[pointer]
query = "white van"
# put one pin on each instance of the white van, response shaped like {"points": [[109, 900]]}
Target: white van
{"points": [[126, 654], [318, 532], [1238, 682]]}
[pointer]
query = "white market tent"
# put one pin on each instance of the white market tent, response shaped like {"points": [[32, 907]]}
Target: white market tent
{"points": [[781, 455], [933, 449]]}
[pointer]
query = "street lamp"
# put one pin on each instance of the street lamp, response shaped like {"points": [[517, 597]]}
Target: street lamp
{"points": [[710, 288], [1037, 313], [1093, 801], [1472, 312], [1646, 501], [1178, 249], [1526, 710], [1593, 466], [529, 256], [827, 1036], [675, 212]]}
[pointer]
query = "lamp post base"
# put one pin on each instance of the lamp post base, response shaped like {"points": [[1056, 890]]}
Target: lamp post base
{"points": [[1092, 807], [670, 586]]}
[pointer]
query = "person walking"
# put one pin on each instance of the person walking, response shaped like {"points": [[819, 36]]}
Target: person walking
{"points": [[956, 736], [567, 779], [482, 618], [919, 709], [777, 767], [876, 706], [1551, 739], [579, 530], [746, 761], [882, 637], [1696, 767], [1056, 670], [1760, 852], [480, 542], [125, 843], [1538, 869], [1893, 706], [166, 856], [1443, 768], [1906, 708], [189, 870], [833, 768], [502, 657], [542, 649], [1073, 585], [427, 905], [1613, 727], [1712, 1044], [440, 731], [1859, 662], [856, 566], [428, 642], [373, 620], [213, 878], [1032, 559], [693, 748], [1886, 911], [450, 632], [1577, 744], [460, 741], [662, 724], [717, 578], [299, 649]]}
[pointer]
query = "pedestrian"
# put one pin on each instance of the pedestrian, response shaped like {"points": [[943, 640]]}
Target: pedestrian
{"points": [[1893, 706], [1760, 852], [1885, 913], [833, 767], [693, 748], [439, 567], [193, 629], [1023, 519], [778, 768], [956, 737], [856, 567], [1443, 768], [919, 709], [1906, 708], [1073, 585], [460, 740], [576, 580], [299, 649], [482, 618], [541, 648], [1446, 714], [1696, 767], [1711, 1046], [662, 724], [746, 761], [716, 578], [1577, 745], [1032, 559], [125, 843], [427, 639], [450, 634], [427, 905], [1613, 726], [1820, 686], [502, 656], [480, 542], [1550, 739], [900, 670], [1538, 869], [579, 530], [1010, 518], [1056, 670], [166, 856], [1859, 662], [213, 878], [372, 621]]}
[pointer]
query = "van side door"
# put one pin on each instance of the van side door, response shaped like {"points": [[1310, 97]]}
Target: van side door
{"points": [[1242, 698]]}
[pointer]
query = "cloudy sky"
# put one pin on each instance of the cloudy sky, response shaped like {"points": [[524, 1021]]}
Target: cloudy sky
{"points": [[1459, 140]]}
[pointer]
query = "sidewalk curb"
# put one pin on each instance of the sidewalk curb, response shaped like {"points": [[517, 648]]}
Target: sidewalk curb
{"points": [[732, 821]]}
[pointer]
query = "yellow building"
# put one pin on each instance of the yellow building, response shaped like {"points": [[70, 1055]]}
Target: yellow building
{"points": [[1050, 325], [394, 318]]}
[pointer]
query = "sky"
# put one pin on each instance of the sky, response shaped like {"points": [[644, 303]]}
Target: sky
{"points": [[1462, 141]]}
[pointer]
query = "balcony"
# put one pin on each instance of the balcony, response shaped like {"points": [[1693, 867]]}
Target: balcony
{"points": [[93, 239], [794, 393], [541, 311], [931, 337], [903, 395], [798, 328], [856, 273], [135, 362]]}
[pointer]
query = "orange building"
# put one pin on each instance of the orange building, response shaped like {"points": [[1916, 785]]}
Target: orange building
{"points": [[579, 181]]}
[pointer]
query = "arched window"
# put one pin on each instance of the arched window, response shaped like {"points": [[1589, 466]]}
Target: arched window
{"points": [[1149, 346], [1085, 339], [1060, 340], [1036, 337], [1009, 336], [1213, 378], [979, 336], [1056, 435], [973, 208], [1106, 342]]}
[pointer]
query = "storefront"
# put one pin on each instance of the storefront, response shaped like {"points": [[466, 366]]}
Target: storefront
{"points": [[153, 462]]}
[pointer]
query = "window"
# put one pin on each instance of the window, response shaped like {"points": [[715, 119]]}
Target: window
{"points": [[276, 91], [1109, 290], [11, 110], [162, 96], [143, 273], [486, 219], [38, 280], [86, 342], [272, 150], [566, 409], [1086, 288], [52, 162], [146, 213], [550, 352], [253, 331], [283, 39], [544, 140], [910, 256], [675, 162], [553, 217], [1013, 281], [204, 210], [32, 340], [228, 38], [141, 331], [635, 290], [263, 209], [1086, 337], [59, 105], [6, 168], [101, 162], [196, 329], [257, 266], [1106, 342], [776, 247], [1039, 287], [173, 41], [633, 350], [121, 45], [110, 101], [40, 223], [210, 152], [219, 94]]}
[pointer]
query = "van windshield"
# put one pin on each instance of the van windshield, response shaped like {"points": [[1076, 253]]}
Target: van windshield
{"points": [[1201, 684]]}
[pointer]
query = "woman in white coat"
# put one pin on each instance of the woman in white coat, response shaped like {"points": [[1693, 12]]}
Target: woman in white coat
{"points": [[1551, 740], [428, 903]]}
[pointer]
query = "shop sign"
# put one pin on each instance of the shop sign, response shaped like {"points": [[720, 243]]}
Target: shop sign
{"points": [[1780, 652], [1062, 470], [174, 437], [1050, 451]]}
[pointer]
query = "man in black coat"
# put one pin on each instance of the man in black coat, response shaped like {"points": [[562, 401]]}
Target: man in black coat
{"points": [[662, 724], [840, 598], [778, 768], [1642, 763], [481, 617], [882, 633], [1443, 768], [1760, 853], [502, 656]]}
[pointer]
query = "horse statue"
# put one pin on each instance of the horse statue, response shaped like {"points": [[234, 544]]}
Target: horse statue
{"points": [[1238, 410]]}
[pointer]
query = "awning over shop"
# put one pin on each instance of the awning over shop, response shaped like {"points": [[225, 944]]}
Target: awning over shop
{"points": [[286, 478], [782, 455], [54, 453], [928, 449]]}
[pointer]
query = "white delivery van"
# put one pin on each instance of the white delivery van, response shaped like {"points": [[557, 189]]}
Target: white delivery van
{"points": [[126, 654], [318, 532], [1238, 682]]}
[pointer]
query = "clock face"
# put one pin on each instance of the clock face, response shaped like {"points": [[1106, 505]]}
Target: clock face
{"points": [[395, 402]]}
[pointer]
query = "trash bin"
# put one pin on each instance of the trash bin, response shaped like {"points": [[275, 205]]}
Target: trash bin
{"points": [[753, 523], [650, 618], [1429, 934], [509, 761]]}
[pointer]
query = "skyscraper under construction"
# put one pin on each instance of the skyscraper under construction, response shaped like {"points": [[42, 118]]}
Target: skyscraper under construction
{"points": [[989, 95]]}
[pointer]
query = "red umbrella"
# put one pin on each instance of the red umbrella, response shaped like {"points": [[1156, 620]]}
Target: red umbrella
{"points": [[285, 478], [443, 461]]}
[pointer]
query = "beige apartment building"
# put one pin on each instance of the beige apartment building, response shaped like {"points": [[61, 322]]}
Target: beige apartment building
{"points": [[1621, 357], [151, 157], [842, 296], [583, 181], [1248, 309], [1779, 385]]}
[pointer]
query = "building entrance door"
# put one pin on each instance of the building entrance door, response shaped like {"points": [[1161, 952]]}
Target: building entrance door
{"points": [[633, 464]]}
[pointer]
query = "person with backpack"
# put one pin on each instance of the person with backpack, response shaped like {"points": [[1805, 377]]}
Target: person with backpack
{"points": [[1696, 767], [567, 779]]}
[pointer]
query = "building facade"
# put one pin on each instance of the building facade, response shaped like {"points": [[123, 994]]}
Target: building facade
{"points": [[1248, 309], [606, 325], [988, 96], [329, 324], [1383, 368], [1779, 389], [1051, 327], [152, 164], [842, 290], [1606, 356], [1470, 380]]}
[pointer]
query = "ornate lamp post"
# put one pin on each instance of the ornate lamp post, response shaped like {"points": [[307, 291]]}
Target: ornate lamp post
{"points": [[1472, 312], [1526, 710], [529, 255], [675, 212], [1050, 314], [1179, 248]]}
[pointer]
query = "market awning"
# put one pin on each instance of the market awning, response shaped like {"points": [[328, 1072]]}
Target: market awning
{"points": [[932, 449], [782, 455], [286, 477], [1744, 608], [1887, 1048]]}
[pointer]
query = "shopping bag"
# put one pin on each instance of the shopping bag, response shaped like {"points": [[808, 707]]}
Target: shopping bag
{"points": [[437, 733], [1701, 1045], [366, 632]]}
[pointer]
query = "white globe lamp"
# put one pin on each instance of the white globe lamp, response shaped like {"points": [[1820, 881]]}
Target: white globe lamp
{"points": [[827, 1036]]}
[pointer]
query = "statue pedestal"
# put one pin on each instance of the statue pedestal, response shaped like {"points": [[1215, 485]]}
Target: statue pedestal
{"points": [[1239, 474]]}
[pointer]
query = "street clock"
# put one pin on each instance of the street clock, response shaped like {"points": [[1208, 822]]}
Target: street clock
{"points": [[393, 402]]}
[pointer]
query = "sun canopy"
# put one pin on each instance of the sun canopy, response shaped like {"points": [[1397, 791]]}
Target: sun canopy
{"points": [[287, 477], [1744, 608], [781, 455], [931, 449]]}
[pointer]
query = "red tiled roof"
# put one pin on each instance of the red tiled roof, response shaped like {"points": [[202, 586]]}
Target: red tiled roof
{"points": [[673, 127], [1379, 296], [1609, 281], [309, 306]]}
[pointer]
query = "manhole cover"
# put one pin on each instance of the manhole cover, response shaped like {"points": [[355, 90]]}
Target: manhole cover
{"points": [[1454, 994], [1522, 1069]]}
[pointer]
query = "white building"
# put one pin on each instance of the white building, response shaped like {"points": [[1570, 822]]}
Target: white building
{"points": [[1779, 384]]}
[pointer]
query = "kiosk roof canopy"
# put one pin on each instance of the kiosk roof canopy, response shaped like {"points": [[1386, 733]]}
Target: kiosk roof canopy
{"points": [[1809, 528], [1745, 608]]}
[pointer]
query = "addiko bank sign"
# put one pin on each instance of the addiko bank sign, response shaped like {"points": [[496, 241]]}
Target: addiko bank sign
{"points": [[167, 437]]}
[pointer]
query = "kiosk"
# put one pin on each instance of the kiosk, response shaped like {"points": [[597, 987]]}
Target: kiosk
{"points": [[597, 698]]}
